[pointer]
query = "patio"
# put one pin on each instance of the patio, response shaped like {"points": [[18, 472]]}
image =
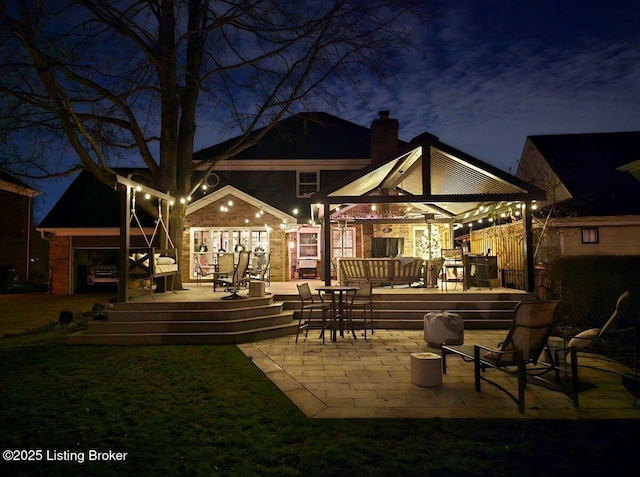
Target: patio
{"points": [[371, 379], [357, 378]]}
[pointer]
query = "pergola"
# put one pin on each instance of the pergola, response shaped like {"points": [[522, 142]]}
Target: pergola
{"points": [[432, 180]]}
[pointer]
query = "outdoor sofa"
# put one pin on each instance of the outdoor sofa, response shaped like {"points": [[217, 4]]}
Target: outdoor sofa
{"points": [[381, 271]]}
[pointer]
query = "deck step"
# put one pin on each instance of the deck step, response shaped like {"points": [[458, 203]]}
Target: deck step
{"points": [[191, 313], [246, 336], [195, 326]]}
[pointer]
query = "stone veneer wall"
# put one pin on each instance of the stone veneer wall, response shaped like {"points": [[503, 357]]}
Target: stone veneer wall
{"points": [[211, 216]]}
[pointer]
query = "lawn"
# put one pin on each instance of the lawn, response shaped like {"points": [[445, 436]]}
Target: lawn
{"points": [[207, 410]]}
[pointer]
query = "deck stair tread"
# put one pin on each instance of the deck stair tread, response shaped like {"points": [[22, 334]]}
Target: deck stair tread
{"points": [[195, 314], [183, 326], [241, 336]]}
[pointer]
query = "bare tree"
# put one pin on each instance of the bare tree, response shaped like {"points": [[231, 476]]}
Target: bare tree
{"points": [[91, 84], [540, 174]]}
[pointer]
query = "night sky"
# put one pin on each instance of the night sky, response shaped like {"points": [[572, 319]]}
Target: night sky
{"points": [[493, 72]]}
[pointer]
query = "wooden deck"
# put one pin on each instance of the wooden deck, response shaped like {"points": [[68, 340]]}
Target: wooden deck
{"points": [[198, 315]]}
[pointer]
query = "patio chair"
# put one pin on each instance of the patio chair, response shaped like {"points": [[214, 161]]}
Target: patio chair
{"points": [[587, 339], [239, 278], [261, 269], [362, 300], [200, 271], [519, 354], [309, 304], [225, 268]]}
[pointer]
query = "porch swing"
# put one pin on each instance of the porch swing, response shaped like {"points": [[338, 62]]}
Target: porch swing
{"points": [[148, 263]]}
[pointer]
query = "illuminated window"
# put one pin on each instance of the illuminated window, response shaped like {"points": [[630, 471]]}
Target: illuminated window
{"points": [[308, 183], [590, 235]]}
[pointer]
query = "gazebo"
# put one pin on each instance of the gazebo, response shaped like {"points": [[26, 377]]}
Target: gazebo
{"points": [[428, 181]]}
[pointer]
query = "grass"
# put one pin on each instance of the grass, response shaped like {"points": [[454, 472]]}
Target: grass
{"points": [[207, 410]]}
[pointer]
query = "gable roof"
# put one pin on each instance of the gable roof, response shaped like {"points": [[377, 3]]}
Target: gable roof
{"points": [[314, 135], [433, 175], [11, 184], [592, 168], [222, 192], [89, 203]]}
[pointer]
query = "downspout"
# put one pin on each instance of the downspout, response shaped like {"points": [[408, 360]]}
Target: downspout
{"points": [[29, 225]]}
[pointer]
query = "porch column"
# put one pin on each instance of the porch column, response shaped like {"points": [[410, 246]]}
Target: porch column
{"points": [[326, 246], [123, 257], [529, 277]]}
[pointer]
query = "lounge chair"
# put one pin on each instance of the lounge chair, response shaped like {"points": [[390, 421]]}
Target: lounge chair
{"points": [[587, 339], [519, 354]]}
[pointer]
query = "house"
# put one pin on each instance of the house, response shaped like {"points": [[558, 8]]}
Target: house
{"points": [[16, 216], [592, 188], [371, 189], [258, 199]]}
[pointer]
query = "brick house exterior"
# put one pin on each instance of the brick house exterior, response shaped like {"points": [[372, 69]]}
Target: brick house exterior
{"points": [[272, 178]]}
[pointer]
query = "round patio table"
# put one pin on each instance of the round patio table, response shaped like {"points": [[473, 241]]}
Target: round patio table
{"points": [[337, 306]]}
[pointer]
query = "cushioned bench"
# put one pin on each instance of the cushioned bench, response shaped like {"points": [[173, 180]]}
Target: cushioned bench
{"points": [[381, 271]]}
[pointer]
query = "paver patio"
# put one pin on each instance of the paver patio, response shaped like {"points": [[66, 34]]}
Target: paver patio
{"points": [[372, 379]]}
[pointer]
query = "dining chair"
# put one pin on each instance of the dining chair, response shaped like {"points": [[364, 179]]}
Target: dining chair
{"points": [[309, 304], [362, 300]]}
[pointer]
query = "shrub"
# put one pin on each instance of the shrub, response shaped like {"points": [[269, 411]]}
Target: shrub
{"points": [[590, 285]]}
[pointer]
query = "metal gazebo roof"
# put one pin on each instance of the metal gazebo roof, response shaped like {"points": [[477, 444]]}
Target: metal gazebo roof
{"points": [[429, 177], [433, 177]]}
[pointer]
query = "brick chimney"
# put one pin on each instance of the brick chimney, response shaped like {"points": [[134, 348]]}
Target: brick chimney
{"points": [[384, 137]]}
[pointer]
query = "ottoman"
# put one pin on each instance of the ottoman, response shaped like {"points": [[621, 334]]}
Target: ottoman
{"points": [[426, 369], [443, 327]]}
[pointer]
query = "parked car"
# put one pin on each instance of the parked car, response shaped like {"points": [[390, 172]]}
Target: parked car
{"points": [[106, 272]]}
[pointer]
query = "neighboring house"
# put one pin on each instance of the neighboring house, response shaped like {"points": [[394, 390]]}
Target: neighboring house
{"points": [[592, 187], [259, 202], [16, 216]]}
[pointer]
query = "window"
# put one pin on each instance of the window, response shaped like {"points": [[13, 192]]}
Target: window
{"points": [[308, 183], [343, 243], [309, 243], [590, 235], [206, 242]]}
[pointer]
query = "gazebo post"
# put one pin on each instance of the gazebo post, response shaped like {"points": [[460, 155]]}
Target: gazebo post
{"points": [[125, 242], [326, 228], [529, 277]]}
